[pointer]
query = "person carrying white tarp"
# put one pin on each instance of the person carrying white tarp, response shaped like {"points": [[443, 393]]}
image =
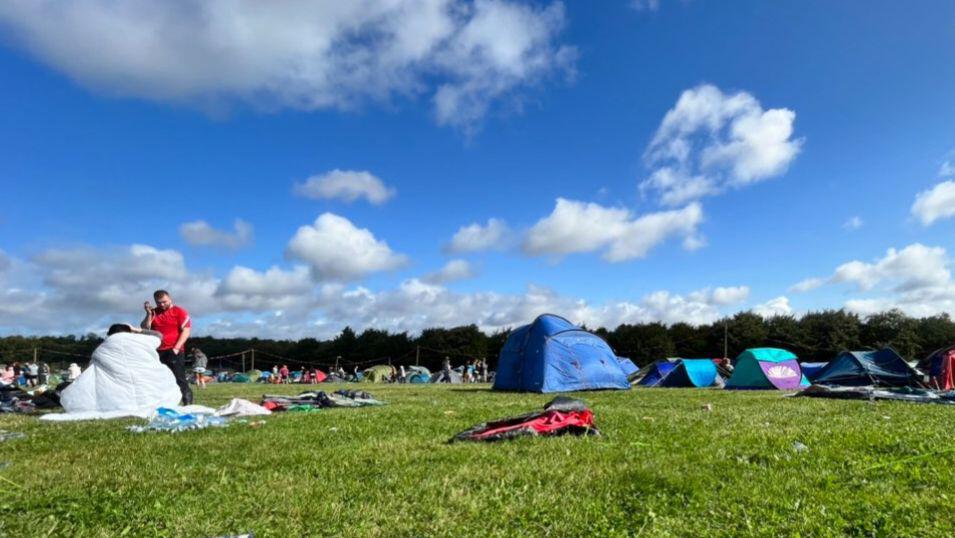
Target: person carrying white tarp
{"points": [[124, 378]]}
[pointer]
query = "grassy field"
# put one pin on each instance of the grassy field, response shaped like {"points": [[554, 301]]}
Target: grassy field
{"points": [[665, 466]]}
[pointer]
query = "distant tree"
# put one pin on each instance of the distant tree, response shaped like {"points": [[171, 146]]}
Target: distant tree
{"points": [[893, 328]]}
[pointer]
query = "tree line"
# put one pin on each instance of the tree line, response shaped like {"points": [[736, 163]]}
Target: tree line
{"points": [[816, 336]]}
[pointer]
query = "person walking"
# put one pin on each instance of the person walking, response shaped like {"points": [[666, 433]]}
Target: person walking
{"points": [[200, 361], [175, 325]]}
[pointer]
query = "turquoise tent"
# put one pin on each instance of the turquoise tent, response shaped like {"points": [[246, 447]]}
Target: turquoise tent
{"points": [[681, 373], [767, 368]]}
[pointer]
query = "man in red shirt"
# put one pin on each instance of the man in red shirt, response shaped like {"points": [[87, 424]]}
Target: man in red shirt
{"points": [[174, 324]]}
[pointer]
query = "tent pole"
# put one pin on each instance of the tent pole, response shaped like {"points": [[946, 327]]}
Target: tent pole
{"points": [[253, 358], [725, 340]]}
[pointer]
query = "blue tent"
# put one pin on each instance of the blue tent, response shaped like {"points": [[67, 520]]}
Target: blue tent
{"points": [[882, 368], [681, 373], [628, 367], [812, 369], [692, 373], [654, 373], [554, 355]]}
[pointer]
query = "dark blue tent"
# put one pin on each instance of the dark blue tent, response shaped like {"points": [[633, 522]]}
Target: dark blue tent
{"points": [[881, 368], [812, 369], [554, 355], [680, 373], [653, 373]]}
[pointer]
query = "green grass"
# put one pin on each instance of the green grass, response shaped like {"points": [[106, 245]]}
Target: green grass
{"points": [[664, 467]]}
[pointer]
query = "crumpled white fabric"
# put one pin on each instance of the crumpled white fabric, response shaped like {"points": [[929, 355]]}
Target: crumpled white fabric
{"points": [[241, 408], [124, 379]]}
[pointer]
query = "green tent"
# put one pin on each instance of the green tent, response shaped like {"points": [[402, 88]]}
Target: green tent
{"points": [[240, 378], [767, 368], [380, 373]]}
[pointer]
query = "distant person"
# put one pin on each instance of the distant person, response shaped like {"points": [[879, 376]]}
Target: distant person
{"points": [[284, 374], [175, 325], [74, 371], [402, 375], [484, 377], [44, 373], [32, 373], [199, 363], [8, 377]]}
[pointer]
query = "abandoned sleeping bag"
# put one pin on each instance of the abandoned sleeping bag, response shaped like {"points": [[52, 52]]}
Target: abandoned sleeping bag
{"points": [[560, 416], [124, 377]]}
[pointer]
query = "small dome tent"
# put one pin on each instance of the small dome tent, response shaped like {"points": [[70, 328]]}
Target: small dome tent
{"points": [[884, 368], [699, 373], [767, 368], [554, 355]]}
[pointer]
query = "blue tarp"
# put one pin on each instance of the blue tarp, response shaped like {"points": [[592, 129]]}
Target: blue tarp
{"points": [[554, 355], [880, 368]]}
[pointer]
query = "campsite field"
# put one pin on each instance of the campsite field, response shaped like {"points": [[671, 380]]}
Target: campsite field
{"points": [[665, 466]]}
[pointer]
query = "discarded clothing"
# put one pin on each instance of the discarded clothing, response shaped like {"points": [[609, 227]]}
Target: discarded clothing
{"points": [[241, 408], [170, 420], [319, 400], [561, 416], [905, 394]]}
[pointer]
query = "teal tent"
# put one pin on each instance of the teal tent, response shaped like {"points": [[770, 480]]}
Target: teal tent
{"points": [[767, 368]]}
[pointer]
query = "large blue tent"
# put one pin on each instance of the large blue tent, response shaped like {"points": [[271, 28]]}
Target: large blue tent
{"points": [[554, 355], [881, 368]]}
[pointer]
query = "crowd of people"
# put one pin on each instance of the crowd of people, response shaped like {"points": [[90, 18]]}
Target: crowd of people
{"points": [[33, 374]]}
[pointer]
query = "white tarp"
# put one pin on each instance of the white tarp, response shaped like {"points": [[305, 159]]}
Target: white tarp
{"points": [[124, 379]]}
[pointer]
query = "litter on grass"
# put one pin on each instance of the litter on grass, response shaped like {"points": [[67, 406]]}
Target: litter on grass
{"points": [[904, 394], [9, 436], [560, 416], [172, 421], [312, 400]]}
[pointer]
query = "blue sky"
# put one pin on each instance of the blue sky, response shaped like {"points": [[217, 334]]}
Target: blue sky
{"points": [[120, 131]]}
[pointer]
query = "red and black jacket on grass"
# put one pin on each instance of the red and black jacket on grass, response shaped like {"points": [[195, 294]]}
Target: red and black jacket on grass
{"points": [[560, 416]]}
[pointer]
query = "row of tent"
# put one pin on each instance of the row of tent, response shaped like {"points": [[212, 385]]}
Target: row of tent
{"points": [[554, 355]]}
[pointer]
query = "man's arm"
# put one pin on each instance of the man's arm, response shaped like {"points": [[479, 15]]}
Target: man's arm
{"points": [[147, 322], [183, 336]]}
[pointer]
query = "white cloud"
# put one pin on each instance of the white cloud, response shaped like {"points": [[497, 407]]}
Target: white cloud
{"points": [[575, 227], [475, 238], [947, 169], [935, 203], [854, 223], [302, 55], [452, 271], [347, 185], [808, 284], [722, 296], [200, 233], [915, 279], [336, 249], [109, 285], [916, 266], [774, 307], [710, 141], [275, 289]]}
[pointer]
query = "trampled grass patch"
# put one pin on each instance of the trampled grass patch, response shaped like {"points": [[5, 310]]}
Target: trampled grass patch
{"points": [[665, 466]]}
